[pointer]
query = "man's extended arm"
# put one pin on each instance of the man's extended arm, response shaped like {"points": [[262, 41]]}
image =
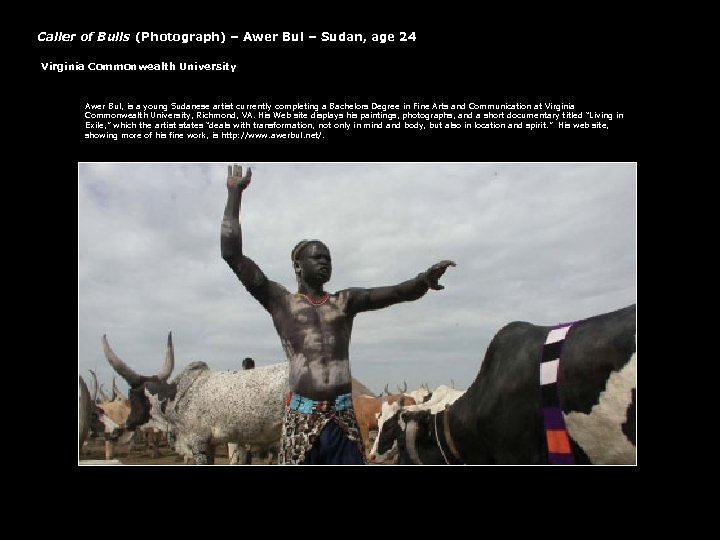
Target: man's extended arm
{"points": [[412, 289], [231, 233], [245, 268]]}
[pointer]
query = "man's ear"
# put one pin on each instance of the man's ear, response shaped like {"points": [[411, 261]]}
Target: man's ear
{"points": [[296, 267]]}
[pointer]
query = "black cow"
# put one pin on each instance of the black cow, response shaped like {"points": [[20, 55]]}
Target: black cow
{"points": [[500, 417]]}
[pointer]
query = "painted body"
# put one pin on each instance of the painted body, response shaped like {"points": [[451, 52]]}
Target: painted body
{"points": [[499, 418], [315, 334], [314, 326]]}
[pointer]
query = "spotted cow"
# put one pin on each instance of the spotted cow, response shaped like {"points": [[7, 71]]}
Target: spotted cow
{"points": [[204, 408]]}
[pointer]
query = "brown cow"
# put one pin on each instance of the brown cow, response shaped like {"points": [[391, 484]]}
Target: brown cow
{"points": [[114, 414], [367, 409]]}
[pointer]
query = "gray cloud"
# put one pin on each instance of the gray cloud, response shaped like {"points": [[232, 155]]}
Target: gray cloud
{"points": [[544, 243]]}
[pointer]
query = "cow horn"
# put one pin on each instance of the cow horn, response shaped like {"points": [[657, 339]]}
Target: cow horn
{"points": [[452, 381], [103, 395], [86, 406], [169, 360], [125, 371], [386, 390], [95, 386], [404, 389], [117, 393]]}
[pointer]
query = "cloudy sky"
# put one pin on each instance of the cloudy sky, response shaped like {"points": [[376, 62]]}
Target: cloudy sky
{"points": [[544, 243]]}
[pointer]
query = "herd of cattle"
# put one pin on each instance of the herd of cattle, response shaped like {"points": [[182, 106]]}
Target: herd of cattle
{"points": [[499, 419]]}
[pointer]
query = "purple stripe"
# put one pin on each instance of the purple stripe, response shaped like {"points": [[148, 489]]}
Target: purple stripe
{"points": [[552, 413], [561, 459], [553, 418]]}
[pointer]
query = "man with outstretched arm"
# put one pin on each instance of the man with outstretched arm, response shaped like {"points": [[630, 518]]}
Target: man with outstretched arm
{"points": [[314, 328]]}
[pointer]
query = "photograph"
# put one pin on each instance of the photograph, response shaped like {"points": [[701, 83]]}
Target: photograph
{"points": [[258, 312]]}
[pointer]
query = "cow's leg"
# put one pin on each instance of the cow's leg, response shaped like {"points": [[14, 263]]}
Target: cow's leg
{"points": [[247, 458], [203, 453], [210, 455], [234, 453], [156, 444], [108, 449]]}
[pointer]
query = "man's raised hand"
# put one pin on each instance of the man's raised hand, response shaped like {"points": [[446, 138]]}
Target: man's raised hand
{"points": [[435, 272], [235, 178]]}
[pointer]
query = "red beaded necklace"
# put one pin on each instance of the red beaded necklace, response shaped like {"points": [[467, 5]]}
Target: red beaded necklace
{"points": [[322, 300]]}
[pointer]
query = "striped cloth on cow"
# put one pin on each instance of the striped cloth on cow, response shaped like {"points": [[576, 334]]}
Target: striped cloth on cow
{"points": [[556, 436]]}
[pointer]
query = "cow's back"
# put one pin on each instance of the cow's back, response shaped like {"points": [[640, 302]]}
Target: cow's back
{"points": [[500, 419], [597, 386], [245, 407]]}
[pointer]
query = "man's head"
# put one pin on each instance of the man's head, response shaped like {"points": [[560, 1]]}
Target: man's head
{"points": [[248, 363], [312, 262]]}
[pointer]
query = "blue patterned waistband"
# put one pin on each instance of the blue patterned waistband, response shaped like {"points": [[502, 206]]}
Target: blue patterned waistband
{"points": [[308, 406]]}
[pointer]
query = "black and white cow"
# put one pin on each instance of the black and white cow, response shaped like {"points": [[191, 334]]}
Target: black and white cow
{"points": [[499, 419], [203, 408], [434, 402]]}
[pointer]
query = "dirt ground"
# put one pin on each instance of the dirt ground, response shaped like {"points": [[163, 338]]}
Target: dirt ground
{"points": [[140, 454]]}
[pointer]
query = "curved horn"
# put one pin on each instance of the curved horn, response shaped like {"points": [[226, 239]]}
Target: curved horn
{"points": [[169, 360], [103, 395], [95, 385], [86, 406], [404, 387], [122, 369], [386, 390], [426, 386], [452, 381], [117, 393]]}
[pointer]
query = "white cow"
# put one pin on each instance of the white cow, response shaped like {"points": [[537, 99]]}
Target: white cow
{"points": [[204, 408]]}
